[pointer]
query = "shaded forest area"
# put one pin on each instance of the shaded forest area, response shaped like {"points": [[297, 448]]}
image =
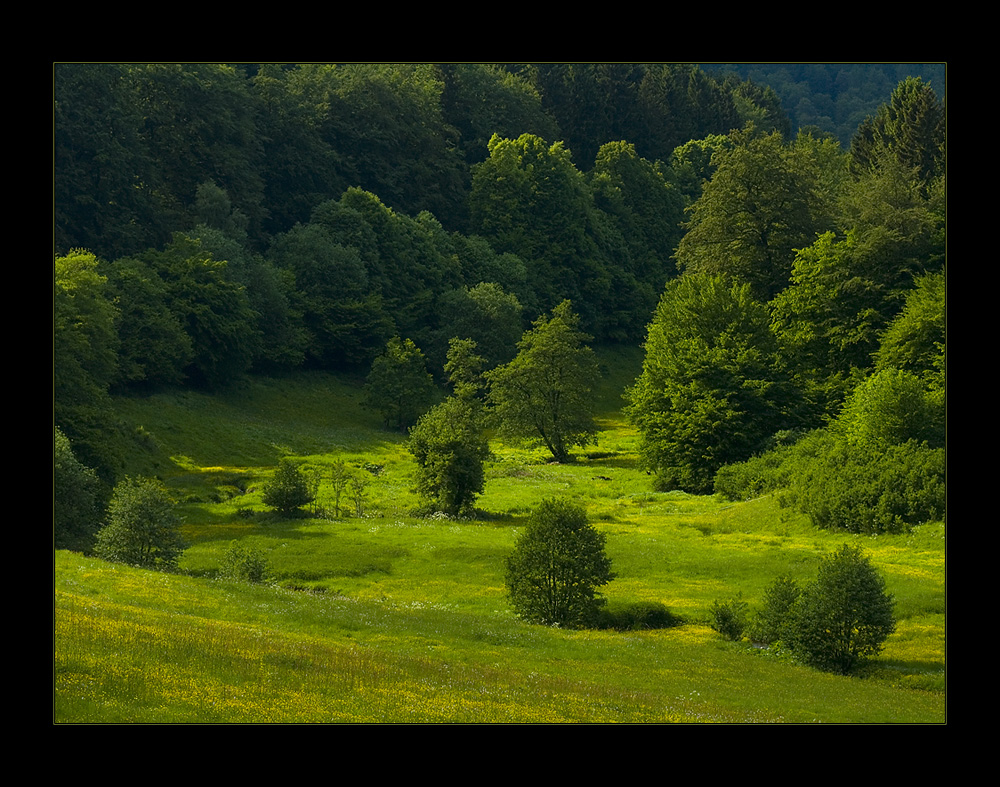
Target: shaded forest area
{"points": [[214, 220]]}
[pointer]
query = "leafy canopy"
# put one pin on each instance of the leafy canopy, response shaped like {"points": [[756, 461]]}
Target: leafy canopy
{"points": [[710, 392], [845, 616], [544, 393], [142, 526], [557, 565]]}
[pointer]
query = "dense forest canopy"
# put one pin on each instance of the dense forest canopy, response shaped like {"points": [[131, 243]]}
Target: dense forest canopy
{"points": [[214, 220]]}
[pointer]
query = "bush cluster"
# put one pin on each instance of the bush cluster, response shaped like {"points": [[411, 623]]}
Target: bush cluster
{"points": [[243, 564], [636, 616], [834, 624]]}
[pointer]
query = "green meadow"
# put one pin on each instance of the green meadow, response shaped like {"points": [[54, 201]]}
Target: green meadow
{"points": [[392, 618]]}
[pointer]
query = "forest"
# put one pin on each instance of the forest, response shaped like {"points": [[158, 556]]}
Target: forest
{"points": [[768, 241]]}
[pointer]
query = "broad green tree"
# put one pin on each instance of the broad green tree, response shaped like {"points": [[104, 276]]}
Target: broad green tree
{"points": [[142, 526], [845, 616], [529, 199], [85, 361], [711, 390], [399, 386], [761, 205], [915, 340], [558, 564], [544, 394]]}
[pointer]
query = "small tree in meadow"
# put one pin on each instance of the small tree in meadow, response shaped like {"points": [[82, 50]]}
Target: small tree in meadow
{"points": [[729, 617], [243, 563], [557, 565], [845, 616], [289, 489], [142, 526]]}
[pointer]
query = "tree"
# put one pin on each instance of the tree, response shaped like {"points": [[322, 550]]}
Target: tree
{"points": [[711, 391], [289, 489], [845, 616], [770, 624], [911, 128], [544, 393], [449, 447], [76, 498], [761, 205], [557, 565], [142, 526], [399, 386], [85, 361]]}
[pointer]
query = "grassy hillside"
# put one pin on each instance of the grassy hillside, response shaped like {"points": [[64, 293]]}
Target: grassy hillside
{"points": [[392, 618]]}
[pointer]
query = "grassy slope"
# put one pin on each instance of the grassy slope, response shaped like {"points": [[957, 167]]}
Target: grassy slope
{"points": [[411, 623]]}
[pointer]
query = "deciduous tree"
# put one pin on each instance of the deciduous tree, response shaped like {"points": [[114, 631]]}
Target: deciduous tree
{"points": [[845, 616], [399, 386], [449, 447], [711, 390], [557, 566], [544, 393], [142, 527]]}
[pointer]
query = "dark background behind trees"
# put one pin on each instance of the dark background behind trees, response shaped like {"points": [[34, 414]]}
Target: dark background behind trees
{"points": [[214, 220]]}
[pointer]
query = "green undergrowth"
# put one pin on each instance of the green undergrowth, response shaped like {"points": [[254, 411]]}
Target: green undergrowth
{"points": [[392, 617]]}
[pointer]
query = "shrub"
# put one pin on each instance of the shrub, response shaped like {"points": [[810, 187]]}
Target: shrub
{"points": [[771, 622], [243, 564], [142, 526], [289, 489], [76, 499], [637, 616], [729, 617], [556, 567], [450, 449], [870, 490], [845, 616]]}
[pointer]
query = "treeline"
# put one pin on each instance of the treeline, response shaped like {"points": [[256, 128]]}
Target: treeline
{"points": [[832, 97], [213, 220]]}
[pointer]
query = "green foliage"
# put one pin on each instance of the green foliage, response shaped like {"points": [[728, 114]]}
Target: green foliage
{"points": [[910, 128], [449, 447], [545, 392], [557, 565], [729, 617], [243, 563], [915, 340], [399, 386], [761, 205], [862, 489], [289, 488], [76, 499], [142, 526], [891, 407], [845, 616], [711, 390], [85, 348], [771, 622], [636, 616]]}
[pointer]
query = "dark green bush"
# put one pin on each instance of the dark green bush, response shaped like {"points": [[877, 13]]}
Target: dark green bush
{"points": [[867, 490], [844, 617], [142, 527], [636, 616], [289, 489], [771, 622], [729, 617]]}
